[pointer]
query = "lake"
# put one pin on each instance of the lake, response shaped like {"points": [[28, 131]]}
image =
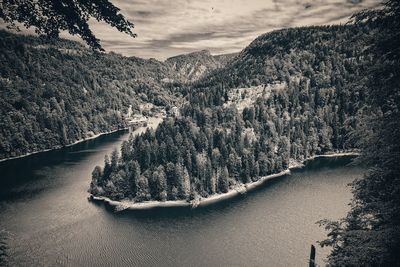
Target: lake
{"points": [[47, 219]]}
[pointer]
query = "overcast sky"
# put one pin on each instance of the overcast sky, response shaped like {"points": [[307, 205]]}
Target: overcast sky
{"points": [[170, 27]]}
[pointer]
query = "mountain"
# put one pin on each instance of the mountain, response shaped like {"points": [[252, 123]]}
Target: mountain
{"points": [[290, 95], [317, 53], [193, 66], [54, 93], [224, 59]]}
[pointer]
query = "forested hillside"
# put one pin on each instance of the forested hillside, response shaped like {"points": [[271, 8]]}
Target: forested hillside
{"points": [[55, 93], [370, 233], [325, 54], [193, 66], [307, 104]]}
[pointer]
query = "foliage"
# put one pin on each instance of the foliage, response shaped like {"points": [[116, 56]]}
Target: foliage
{"points": [[190, 67], [213, 147], [55, 93], [320, 53], [370, 234], [50, 17], [4, 247]]}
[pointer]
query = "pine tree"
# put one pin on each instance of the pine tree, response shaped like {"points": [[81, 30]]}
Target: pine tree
{"points": [[223, 180], [107, 168], [143, 190], [114, 160], [133, 170], [370, 234], [160, 181]]}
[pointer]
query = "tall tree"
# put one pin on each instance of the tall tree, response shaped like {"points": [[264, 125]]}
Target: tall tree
{"points": [[370, 234], [160, 181], [114, 160], [50, 17], [133, 170], [223, 185]]}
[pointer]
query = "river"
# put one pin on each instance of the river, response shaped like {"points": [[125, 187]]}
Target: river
{"points": [[49, 222]]}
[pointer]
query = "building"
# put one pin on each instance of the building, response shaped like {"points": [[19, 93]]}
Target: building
{"points": [[175, 111]]}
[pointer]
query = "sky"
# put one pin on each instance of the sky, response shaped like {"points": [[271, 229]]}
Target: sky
{"points": [[170, 27]]}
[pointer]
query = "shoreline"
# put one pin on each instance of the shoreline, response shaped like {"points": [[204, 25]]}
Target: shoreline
{"points": [[300, 164], [60, 147], [150, 125], [239, 189], [201, 202]]}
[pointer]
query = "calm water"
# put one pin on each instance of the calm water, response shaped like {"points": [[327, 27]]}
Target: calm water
{"points": [[44, 210]]}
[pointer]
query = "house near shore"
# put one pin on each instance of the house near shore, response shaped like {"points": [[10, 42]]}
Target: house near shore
{"points": [[137, 120]]}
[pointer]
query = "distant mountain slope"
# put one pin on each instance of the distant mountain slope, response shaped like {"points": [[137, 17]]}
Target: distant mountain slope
{"points": [[290, 95], [319, 53], [193, 66], [55, 93], [224, 59]]}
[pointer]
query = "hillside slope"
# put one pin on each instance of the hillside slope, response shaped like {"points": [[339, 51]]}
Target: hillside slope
{"points": [[288, 96], [193, 66], [319, 53], [55, 93]]}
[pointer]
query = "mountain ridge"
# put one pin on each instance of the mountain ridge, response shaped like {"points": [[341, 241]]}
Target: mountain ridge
{"points": [[193, 66], [56, 92]]}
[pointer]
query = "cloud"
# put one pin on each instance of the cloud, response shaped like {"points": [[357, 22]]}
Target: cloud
{"points": [[166, 28]]}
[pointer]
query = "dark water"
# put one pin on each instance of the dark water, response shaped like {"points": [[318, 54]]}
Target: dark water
{"points": [[48, 220]]}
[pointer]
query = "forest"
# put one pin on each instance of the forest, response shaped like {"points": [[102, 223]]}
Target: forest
{"points": [[369, 235], [291, 94], [213, 147], [323, 89], [56, 92]]}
